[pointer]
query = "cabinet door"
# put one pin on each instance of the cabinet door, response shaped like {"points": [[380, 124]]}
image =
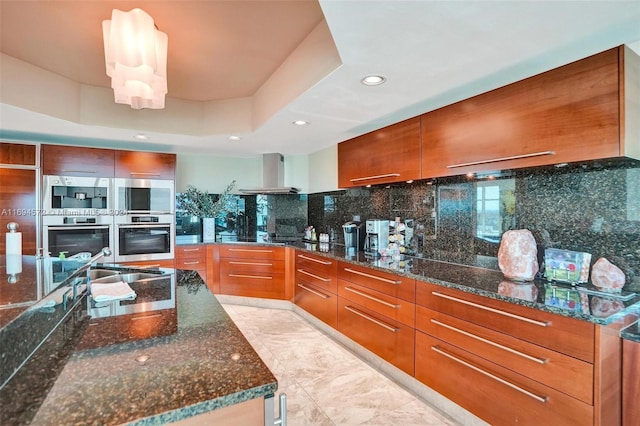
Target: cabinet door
{"points": [[18, 204], [145, 165], [567, 114], [318, 302], [16, 153], [630, 385], [61, 160], [383, 282], [391, 154]]}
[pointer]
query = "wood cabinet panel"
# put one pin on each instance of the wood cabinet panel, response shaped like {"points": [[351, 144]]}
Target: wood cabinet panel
{"points": [[390, 154], [323, 276], [318, 302], [66, 160], [386, 337], [561, 372], [151, 264], [567, 114], [252, 271], [630, 384], [191, 251], [145, 165], [389, 306], [251, 251], [321, 265], [248, 284], [17, 153], [492, 392], [387, 283], [18, 204], [566, 335]]}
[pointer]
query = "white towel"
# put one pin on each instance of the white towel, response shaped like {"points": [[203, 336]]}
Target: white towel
{"points": [[108, 292]]}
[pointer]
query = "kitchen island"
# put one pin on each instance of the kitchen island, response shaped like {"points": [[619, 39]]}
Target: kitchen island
{"points": [[203, 363]]}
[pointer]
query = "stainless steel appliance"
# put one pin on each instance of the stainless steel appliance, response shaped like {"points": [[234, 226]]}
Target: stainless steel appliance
{"points": [[151, 196], [353, 236], [73, 195], [77, 234], [144, 237], [377, 237]]}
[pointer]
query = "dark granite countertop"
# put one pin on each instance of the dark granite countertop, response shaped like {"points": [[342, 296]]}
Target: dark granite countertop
{"points": [[202, 363]]}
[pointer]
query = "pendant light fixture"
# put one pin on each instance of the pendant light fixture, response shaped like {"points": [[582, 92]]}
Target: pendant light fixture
{"points": [[136, 58]]}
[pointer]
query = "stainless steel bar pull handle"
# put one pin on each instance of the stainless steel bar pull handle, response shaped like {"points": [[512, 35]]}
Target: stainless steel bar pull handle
{"points": [[375, 177], [370, 297], [538, 398], [302, 271], [364, 274], [322, 262], [496, 311], [495, 160], [251, 263], [262, 277], [490, 342], [310, 290], [251, 250], [372, 319]]}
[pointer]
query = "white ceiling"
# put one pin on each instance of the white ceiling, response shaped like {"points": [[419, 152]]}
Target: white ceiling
{"points": [[432, 53]]}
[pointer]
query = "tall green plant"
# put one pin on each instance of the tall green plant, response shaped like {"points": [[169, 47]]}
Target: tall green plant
{"points": [[199, 203]]}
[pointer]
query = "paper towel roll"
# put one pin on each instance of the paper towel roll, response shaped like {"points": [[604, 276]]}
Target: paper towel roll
{"points": [[14, 243], [14, 264]]}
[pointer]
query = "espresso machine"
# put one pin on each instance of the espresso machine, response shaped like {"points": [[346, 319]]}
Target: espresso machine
{"points": [[377, 237]]}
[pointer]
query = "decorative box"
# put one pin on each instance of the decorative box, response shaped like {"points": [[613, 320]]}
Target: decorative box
{"points": [[566, 265]]}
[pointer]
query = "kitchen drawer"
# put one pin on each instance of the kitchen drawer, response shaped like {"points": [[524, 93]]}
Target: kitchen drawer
{"points": [[386, 337], [388, 283], [566, 335], [318, 302], [561, 372], [191, 251], [253, 284], [319, 264], [150, 324], [389, 306], [319, 279], [238, 266], [254, 252], [191, 264], [150, 264], [493, 393]]}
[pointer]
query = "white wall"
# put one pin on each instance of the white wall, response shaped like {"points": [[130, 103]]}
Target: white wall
{"points": [[323, 170]]}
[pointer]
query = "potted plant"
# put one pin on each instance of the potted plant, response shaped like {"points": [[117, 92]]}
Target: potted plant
{"points": [[200, 203]]}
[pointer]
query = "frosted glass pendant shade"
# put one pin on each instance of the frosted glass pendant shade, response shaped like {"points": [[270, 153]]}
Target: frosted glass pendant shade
{"points": [[136, 59]]}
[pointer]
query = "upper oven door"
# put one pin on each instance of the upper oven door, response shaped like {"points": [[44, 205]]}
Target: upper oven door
{"points": [[151, 196], [76, 195]]}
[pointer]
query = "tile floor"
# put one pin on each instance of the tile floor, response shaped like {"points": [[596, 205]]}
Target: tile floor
{"points": [[325, 383]]}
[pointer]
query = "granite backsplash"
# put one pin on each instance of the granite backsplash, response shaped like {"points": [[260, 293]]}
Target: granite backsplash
{"points": [[593, 208]]}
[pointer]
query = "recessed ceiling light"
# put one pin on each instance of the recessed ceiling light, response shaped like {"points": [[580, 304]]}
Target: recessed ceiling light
{"points": [[141, 137], [300, 123], [373, 80], [234, 138]]}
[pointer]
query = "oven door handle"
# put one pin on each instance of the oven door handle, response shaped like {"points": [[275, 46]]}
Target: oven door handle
{"points": [[75, 228], [142, 225]]}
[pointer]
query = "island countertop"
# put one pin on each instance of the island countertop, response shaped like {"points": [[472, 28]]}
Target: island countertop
{"points": [[203, 363]]}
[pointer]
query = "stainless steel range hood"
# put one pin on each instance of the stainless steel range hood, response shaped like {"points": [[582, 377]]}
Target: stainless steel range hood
{"points": [[272, 177]]}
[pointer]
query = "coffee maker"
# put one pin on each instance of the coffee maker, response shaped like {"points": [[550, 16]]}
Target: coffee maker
{"points": [[377, 237], [353, 236]]}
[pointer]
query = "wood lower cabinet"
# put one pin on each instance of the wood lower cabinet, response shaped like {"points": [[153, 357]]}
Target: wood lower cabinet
{"points": [[630, 384], [376, 309], [316, 286], [572, 113], [64, 160], [252, 271], [509, 364], [145, 165], [390, 154], [192, 257]]}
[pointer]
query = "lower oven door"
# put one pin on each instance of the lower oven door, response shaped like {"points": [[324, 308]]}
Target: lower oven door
{"points": [[76, 239], [136, 242]]}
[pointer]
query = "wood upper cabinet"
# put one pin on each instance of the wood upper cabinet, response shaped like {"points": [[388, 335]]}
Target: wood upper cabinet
{"points": [[17, 154], [390, 154], [64, 160], [145, 165], [572, 113]]}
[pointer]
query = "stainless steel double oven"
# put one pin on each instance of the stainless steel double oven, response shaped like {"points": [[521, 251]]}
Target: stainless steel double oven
{"points": [[135, 217]]}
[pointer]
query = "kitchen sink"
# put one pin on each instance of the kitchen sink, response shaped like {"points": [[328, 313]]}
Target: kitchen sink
{"points": [[128, 278], [101, 273]]}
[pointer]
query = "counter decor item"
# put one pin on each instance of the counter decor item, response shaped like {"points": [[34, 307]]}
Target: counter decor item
{"points": [[200, 203], [566, 265], [13, 241], [518, 255], [607, 277]]}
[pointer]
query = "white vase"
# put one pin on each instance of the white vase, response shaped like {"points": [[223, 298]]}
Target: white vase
{"points": [[208, 229]]}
